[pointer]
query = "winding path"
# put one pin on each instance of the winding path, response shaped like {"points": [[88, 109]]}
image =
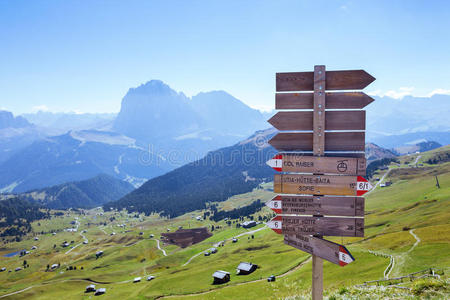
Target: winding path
{"points": [[417, 240], [82, 235], [159, 247], [379, 182]]}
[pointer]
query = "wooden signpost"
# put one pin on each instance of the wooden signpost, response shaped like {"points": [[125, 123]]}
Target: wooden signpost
{"points": [[299, 163], [327, 250], [321, 184], [327, 153], [317, 205], [331, 226]]}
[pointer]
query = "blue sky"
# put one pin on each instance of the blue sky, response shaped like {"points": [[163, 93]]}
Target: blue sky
{"points": [[85, 55]]}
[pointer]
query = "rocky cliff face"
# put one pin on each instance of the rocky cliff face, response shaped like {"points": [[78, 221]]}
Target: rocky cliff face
{"points": [[7, 120], [153, 111]]}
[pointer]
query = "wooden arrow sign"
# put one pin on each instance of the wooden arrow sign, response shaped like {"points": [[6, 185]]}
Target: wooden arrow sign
{"points": [[334, 141], [334, 120], [334, 253], [335, 100], [329, 226], [335, 80], [299, 163], [321, 184], [317, 205]]}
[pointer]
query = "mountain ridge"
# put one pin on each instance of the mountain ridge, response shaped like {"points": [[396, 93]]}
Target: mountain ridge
{"points": [[87, 193]]}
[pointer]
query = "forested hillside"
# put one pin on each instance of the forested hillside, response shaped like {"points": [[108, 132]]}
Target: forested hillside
{"points": [[219, 175], [80, 194]]}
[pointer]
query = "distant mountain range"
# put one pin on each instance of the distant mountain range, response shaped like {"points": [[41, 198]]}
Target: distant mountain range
{"points": [[375, 152], [7, 120], [159, 129], [387, 116], [15, 134], [156, 130], [216, 177], [78, 156], [56, 123], [80, 194], [419, 147]]}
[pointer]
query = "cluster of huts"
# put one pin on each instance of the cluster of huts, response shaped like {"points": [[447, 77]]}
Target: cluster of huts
{"points": [[244, 268], [91, 289]]}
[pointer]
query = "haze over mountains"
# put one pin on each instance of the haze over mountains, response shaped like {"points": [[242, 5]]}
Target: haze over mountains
{"points": [[156, 130], [80, 194], [159, 129]]}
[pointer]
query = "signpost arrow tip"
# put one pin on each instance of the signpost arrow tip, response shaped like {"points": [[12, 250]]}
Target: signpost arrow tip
{"points": [[344, 256], [275, 224], [362, 186], [276, 162]]}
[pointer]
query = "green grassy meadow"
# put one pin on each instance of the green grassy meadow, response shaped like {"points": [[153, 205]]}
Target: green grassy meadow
{"points": [[412, 202]]}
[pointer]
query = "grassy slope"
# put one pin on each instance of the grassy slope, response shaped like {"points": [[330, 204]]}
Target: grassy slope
{"points": [[413, 201]]}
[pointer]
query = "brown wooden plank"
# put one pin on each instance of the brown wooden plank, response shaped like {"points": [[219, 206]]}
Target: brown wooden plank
{"points": [[335, 80], [334, 120], [323, 226], [332, 252], [318, 184], [334, 141], [333, 100], [332, 154], [299, 163], [317, 205], [319, 111]]}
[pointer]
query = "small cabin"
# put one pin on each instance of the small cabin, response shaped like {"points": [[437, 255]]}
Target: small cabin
{"points": [[3, 269], [33, 248], [137, 279], [213, 250], [98, 254], [245, 268], [100, 291], [54, 266], [90, 288], [18, 269], [36, 239], [235, 240], [248, 224], [221, 277], [149, 278]]}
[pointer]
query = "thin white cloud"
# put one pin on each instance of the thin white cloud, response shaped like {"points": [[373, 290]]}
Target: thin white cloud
{"points": [[396, 94], [37, 108], [263, 108], [439, 92], [407, 91]]}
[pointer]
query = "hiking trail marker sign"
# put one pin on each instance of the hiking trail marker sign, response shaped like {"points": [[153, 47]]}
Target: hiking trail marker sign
{"points": [[322, 163]]}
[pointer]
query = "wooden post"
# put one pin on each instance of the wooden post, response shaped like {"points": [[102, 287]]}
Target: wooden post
{"points": [[318, 150], [437, 182], [319, 111], [317, 278]]}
